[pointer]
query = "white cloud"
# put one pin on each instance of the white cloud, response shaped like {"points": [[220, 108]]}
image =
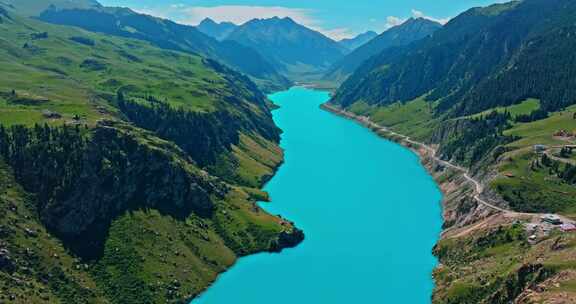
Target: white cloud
{"points": [[192, 15], [392, 21], [336, 34]]}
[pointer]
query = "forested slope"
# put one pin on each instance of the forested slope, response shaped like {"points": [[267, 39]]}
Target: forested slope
{"points": [[472, 63], [404, 34]]}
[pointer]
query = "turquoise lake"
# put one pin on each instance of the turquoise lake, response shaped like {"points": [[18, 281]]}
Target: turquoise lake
{"points": [[370, 212]]}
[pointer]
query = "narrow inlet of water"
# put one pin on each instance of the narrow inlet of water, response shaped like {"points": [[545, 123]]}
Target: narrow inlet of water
{"points": [[370, 212]]}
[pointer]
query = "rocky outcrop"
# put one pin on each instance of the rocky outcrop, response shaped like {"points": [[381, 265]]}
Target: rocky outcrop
{"points": [[526, 276], [121, 173], [287, 239], [459, 207], [83, 184]]}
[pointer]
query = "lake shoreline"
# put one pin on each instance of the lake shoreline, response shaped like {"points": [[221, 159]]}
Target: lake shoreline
{"points": [[453, 188], [438, 172], [265, 179]]}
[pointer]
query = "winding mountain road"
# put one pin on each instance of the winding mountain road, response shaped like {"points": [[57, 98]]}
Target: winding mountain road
{"points": [[560, 159], [478, 188]]}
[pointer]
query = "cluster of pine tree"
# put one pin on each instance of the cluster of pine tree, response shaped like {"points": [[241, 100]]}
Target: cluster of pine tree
{"points": [[45, 160], [566, 172], [533, 116], [478, 137], [544, 69], [204, 136]]}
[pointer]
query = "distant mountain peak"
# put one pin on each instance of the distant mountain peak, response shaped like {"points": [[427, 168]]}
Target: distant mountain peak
{"points": [[218, 30], [420, 20], [366, 33], [355, 42], [292, 47], [208, 20], [212, 22], [288, 19], [273, 20]]}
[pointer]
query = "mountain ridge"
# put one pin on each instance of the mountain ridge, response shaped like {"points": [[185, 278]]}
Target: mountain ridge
{"points": [[294, 49], [404, 34], [360, 39], [460, 34], [34, 7], [219, 31], [170, 35]]}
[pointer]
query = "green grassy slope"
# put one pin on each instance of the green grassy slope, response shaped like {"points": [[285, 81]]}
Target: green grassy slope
{"points": [[523, 108], [536, 186], [496, 265], [151, 252], [414, 118], [71, 72], [148, 257], [168, 35], [35, 7]]}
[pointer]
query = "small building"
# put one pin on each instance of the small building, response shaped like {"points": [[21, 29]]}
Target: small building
{"points": [[51, 114], [568, 227], [563, 133], [531, 228], [533, 239], [551, 219], [540, 148]]}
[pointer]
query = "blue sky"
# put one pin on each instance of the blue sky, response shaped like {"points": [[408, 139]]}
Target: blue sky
{"points": [[335, 18]]}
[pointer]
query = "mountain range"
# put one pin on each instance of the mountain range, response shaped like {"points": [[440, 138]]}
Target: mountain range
{"points": [[133, 149], [271, 51], [293, 49], [124, 22]]}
